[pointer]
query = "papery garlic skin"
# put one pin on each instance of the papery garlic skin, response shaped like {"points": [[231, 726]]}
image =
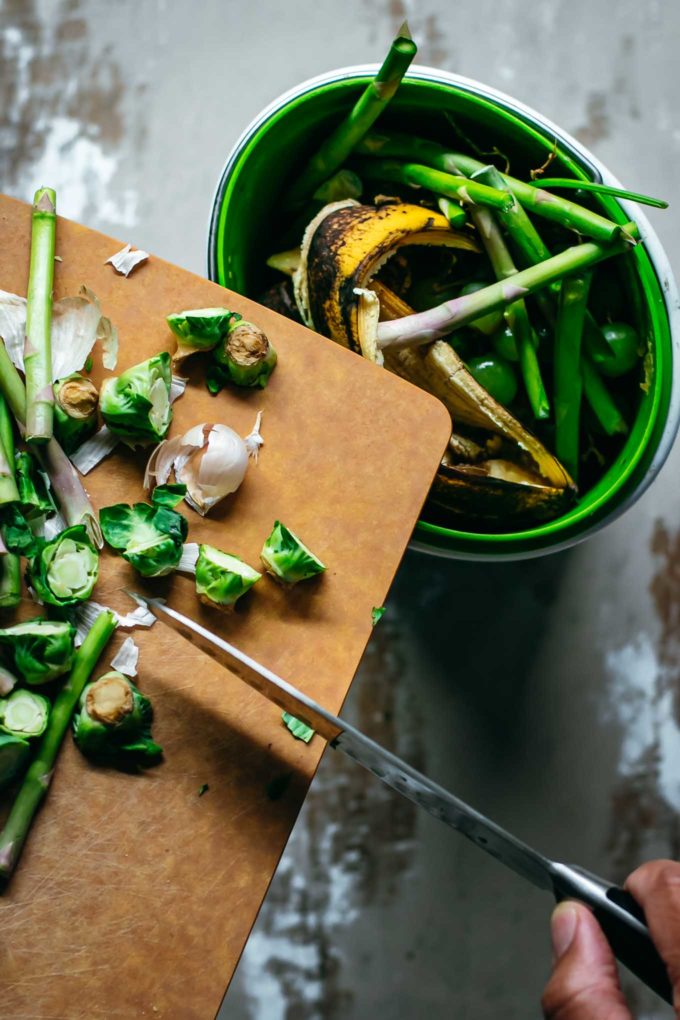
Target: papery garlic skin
{"points": [[210, 459]]}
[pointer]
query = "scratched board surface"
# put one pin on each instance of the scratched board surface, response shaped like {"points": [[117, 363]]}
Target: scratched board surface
{"points": [[135, 896]]}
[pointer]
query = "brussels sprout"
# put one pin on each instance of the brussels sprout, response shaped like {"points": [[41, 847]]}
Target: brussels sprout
{"points": [[40, 650], [14, 755], [136, 404], [34, 491], [496, 376], [245, 355], [149, 537], [626, 351], [75, 411], [114, 722], [286, 558], [65, 570], [221, 579], [24, 714], [200, 329]]}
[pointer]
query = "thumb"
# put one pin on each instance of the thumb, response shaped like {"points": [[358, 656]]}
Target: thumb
{"points": [[584, 984]]}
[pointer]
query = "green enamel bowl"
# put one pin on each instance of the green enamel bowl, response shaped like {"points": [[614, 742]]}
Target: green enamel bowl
{"points": [[244, 217]]}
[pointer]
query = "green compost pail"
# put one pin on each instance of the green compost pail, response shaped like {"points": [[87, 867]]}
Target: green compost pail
{"points": [[244, 217]]}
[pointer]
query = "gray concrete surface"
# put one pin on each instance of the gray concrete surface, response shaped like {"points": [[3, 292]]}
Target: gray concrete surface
{"points": [[544, 692]]}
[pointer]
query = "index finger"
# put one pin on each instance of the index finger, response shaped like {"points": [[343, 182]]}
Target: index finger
{"points": [[656, 887]]}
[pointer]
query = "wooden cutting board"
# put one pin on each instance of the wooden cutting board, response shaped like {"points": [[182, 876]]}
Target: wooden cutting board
{"points": [[134, 896]]}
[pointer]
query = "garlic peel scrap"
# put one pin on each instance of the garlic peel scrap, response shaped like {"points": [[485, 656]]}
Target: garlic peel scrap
{"points": [[77, 324], [125, 260]]}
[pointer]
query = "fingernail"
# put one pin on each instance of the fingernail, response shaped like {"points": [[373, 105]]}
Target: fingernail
{"points": [[563, 928]]}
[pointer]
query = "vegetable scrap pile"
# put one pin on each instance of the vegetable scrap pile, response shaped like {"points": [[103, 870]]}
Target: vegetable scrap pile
{"points": [[499, 294], [55, 427]]}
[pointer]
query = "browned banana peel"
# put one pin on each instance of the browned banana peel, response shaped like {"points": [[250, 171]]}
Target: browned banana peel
{"points": [[437, 368], [495, 491], [343, 248]]}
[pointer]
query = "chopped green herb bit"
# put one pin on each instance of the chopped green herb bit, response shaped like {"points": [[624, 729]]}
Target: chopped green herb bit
{"points": [[300, 730], [169, 495], [203, 789], [377, 614]]}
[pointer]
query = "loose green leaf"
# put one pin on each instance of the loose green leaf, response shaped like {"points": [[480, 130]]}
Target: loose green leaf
{"points": [[169, 495], [203, 788], [221, 578], [287, 558], [39, 650], [149, 537], [377, 614], [136, 404], [64, 571], [300, 730], [34, 491], [16, 531]]}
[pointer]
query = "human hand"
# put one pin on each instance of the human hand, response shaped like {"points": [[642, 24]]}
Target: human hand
{"points": [[584, 984]]}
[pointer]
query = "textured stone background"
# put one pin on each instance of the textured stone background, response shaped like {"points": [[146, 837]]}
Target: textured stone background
{"points": [[544, 692]]}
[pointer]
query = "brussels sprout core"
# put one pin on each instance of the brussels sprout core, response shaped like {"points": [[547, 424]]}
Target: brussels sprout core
{"points": [[114, 722], [65, 570], [24, 714], [245, 355], [75, 411], [76, 396], [109, 700]]}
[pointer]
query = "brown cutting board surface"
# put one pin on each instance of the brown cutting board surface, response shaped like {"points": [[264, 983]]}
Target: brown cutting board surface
{"points": [[134, 896]]}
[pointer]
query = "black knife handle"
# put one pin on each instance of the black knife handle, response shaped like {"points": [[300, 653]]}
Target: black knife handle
{"points": [[623, 922], [636, 951]]}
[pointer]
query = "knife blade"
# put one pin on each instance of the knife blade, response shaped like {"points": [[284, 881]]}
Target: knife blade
{"points": [[618, 913]]}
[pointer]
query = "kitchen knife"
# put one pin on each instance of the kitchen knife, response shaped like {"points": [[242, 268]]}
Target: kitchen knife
{"points": [[619, 915]]}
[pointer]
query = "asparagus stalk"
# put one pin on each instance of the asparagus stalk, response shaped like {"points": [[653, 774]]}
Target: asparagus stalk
{"points": [[435, 323], [37, 779], [334, 150], [10, 564], [516, 313], [601, 400], [38, 344], [600, 189], [568, 383], [454, 213], [67, 487], [8, 486], [447, 184], [532, 249], [542, 203]]}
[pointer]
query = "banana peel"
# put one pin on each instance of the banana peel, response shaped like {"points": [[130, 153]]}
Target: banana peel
{"points": [[510, 478], [343, 248]]}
